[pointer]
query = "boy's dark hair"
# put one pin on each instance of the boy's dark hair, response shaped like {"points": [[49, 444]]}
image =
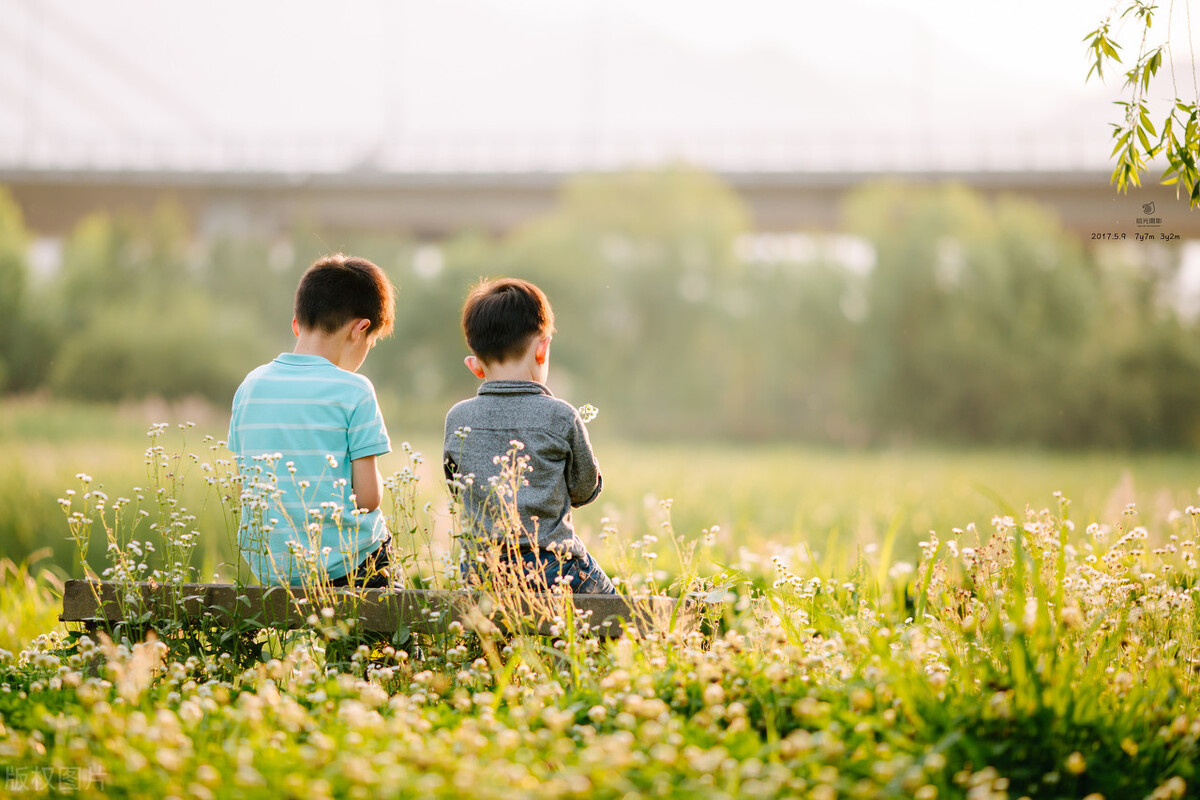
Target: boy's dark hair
{"points": [[339, 288], [501, 316]]}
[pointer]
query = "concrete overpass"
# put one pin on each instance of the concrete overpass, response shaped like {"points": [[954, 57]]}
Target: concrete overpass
{"points": [[431, 205]]}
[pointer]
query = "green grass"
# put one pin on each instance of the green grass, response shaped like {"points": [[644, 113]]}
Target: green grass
{"points": [[28, 602], [761, 497], [1054, 660], [785, 494], [44, 446]]}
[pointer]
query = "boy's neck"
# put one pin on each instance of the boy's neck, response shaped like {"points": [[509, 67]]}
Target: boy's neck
{"points": [[319, 346], [345, 347], [532, 365], [509, 372]]}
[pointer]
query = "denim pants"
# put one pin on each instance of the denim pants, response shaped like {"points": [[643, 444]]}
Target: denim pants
{"points": [[372, 573], [546, 568]]}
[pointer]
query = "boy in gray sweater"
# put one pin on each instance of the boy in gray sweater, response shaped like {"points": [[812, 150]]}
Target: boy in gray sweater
{"points": [[514, 434]]}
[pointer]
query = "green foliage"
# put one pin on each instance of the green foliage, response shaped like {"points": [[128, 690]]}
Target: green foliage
{"points": [[986, 323], [174, 349], [135, 320], [111, 260], [641, 270], [28, 600], [1045, 661], [1136, 140], [980, 322], [1038, 678], [14, 291]]}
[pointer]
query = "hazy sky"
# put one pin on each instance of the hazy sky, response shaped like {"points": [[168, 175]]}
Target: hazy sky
{"points": [[554, 73]]}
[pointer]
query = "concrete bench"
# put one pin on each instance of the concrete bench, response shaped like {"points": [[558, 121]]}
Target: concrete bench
{"points": [[99, 604]]}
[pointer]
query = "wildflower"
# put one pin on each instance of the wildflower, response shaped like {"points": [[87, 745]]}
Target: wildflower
{"points": [[714, 694], [1072, 617], [1030, 617], [1174, 787]]}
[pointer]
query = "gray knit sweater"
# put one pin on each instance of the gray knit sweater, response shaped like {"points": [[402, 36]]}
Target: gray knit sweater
{"points": [[564, 471]]}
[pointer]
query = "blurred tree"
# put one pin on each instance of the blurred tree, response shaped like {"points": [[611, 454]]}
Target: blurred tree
{"points": [[142, 348], [1149, 351], [978, 322], [799, 362], [638, 266], [987, 324], [14, 278], [974, 314], [135, 319], [110, 259]]}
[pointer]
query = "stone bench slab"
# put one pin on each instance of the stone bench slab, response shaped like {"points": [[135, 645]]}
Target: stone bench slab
{"points": [[105, 603]]}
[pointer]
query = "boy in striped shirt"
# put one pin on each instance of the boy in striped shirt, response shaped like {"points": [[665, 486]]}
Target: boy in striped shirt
{"points": [[307, 432]]}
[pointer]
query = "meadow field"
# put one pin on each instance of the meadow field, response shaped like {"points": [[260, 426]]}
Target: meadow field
{"points": [[760, 497], [880, 623]]}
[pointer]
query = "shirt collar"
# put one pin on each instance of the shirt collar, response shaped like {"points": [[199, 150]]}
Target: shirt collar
{"points": [[513, 387], [302, 360]]}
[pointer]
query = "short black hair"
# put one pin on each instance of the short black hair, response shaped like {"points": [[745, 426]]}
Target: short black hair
{"points": [[339, 288], [501, 316]]}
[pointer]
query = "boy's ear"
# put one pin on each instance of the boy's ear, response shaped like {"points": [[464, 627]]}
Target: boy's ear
{"points": [[361, 327], [542, 350], [295, 326], [475, 365]]}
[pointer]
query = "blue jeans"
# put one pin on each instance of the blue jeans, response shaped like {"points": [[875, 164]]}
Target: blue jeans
{"points": [[375, 565], [545, 568]]}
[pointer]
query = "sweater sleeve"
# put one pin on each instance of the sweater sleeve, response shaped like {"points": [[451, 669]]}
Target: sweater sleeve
{"points": [[584, 481]]}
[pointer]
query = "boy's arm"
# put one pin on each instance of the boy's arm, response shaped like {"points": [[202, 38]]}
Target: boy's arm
{"points": [[584, 481], [367, 482], [368, 439]]}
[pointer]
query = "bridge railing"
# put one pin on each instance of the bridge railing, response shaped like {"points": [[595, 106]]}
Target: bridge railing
{"points": [[853, 151]]}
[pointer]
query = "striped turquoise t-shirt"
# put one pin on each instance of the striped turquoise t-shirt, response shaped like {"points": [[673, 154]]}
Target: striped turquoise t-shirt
{"points": [[296, 425]]}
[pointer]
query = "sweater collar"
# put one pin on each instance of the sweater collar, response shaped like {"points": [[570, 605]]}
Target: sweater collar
{"points": [[513, 387]]}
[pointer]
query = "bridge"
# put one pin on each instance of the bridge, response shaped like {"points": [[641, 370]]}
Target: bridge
{"points": [[431, 188], [73, 144], [431, 205]]}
